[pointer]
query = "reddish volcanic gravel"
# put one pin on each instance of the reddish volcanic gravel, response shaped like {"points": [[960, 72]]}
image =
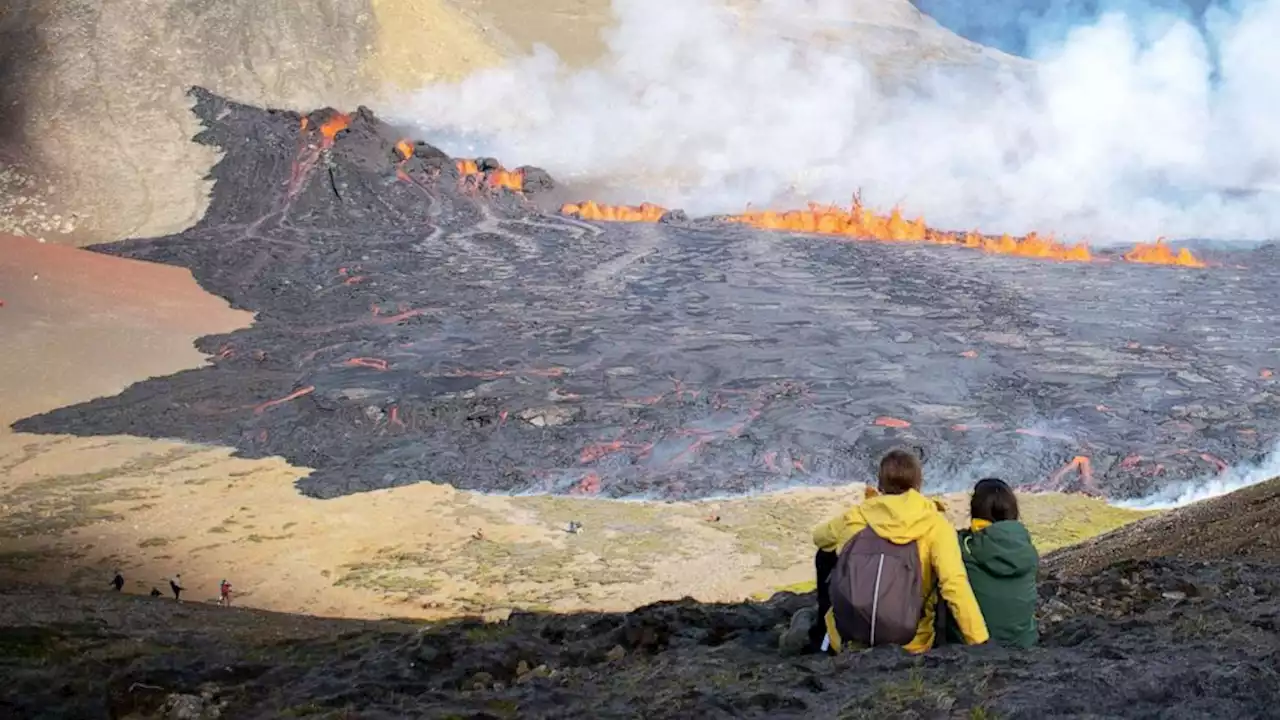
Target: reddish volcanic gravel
{"points": [[79, 325]]}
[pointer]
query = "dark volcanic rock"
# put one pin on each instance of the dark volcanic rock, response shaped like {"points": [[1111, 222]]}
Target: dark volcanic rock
{"points": [[1166, 639], [1241, 525], [414, 325]]}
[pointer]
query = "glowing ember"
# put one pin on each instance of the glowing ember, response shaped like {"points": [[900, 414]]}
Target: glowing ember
{"points": [[1159, 253], [334, 125], [614, 213], [500, 177]]}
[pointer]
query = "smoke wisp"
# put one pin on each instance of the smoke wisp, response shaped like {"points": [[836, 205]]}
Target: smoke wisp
{"points": [[1121, 131], [1233, 478]]}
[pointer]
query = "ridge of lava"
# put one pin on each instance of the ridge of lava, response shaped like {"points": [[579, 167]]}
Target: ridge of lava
{"points": [[860, 223], [425, 318]]}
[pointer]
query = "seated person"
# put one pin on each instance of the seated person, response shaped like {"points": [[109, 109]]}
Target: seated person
{"points": [[1002, 565], [881, 567]]}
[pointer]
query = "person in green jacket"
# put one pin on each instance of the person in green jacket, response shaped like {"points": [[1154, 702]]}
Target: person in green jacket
{"points": [[1002, 565]]}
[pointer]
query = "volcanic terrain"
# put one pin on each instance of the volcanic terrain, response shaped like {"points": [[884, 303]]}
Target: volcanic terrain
{"points": [[425, 318], [1142, 638]]}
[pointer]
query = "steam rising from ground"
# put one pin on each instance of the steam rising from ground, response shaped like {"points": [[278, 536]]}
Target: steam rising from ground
{"points": [[1119, 133], [1233, 478]]}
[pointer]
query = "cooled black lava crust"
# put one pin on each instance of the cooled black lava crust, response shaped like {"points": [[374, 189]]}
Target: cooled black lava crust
{"points": [[426, 329]]}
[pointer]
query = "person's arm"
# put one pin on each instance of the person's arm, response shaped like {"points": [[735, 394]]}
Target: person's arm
{"points": [[834, 533], [953, 582]]}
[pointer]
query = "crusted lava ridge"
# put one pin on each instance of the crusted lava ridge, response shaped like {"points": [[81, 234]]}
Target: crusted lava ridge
{"points": [[419, 323]]}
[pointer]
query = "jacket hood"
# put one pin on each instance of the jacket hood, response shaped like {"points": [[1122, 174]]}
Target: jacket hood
{"points": [[901, 518], [1004, 549]]}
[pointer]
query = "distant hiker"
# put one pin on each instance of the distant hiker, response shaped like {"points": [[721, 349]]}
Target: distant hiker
{"points": [[224, 593], [1002, 565], [155, 592], [175, 584], [117, 582], [881, 568]]}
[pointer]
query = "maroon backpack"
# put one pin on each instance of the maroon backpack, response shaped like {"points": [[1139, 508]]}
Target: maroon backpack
{"points": [[876, 591]]}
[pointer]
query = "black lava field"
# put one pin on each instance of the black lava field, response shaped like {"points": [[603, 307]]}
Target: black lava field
{"points": [[415, 324]]}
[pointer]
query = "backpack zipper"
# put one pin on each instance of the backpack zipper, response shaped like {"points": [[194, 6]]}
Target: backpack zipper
{"points": [[875, 600]]}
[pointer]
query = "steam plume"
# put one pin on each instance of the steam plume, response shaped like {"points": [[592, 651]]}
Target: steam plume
{"points": [[1119, 132], [1233, 478]]}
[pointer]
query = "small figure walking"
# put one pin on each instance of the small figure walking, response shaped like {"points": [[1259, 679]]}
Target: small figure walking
{"points": [[224, 593], [117, 582], [175, 584]]}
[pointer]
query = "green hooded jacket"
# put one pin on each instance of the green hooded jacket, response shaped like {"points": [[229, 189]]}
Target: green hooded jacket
{"points": [[1002, 565]]}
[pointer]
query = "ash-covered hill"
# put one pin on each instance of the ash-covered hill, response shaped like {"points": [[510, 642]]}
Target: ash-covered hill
{"points": [[1163, 638], [1243, 525]]}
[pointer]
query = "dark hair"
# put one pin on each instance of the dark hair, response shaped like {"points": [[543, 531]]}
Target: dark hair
{"points": [[993, 500], [899, 472]]}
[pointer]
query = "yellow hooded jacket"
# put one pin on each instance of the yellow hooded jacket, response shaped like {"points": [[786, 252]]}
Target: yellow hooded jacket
{"points": [[901, 519]]}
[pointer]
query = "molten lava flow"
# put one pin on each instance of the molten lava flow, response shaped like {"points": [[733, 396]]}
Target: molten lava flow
{"points": [[263, 407], [334, 125], [405, 148], [499, 178], [1080, 463], [861, 223], [1158, 253], [614, 213]]}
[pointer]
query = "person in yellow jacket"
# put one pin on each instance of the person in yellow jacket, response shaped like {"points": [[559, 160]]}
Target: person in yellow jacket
{"points": [[898, 513]]}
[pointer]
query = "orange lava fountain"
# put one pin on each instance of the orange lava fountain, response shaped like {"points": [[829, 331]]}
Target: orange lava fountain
{"points": [[334, 125], [861, 223], [614, 213], [857, 222], [501, 177], [1158, 253]]}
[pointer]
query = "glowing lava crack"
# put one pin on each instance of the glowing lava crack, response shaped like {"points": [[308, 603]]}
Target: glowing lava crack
{"points": [[429, 318]]}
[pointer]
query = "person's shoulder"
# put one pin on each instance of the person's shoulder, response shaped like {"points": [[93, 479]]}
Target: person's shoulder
{"points": [[852, 515], [1014, 526], [942, 530]]}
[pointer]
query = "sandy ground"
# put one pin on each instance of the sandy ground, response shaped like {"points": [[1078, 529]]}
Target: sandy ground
{"points": [[79, 325]]}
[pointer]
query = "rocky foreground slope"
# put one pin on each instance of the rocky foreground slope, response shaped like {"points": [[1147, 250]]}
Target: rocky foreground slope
{"points": [[1168, 638]]}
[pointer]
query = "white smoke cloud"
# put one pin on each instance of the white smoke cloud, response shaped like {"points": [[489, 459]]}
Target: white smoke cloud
{"points": [[1233, 478], [1118, 133]]}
